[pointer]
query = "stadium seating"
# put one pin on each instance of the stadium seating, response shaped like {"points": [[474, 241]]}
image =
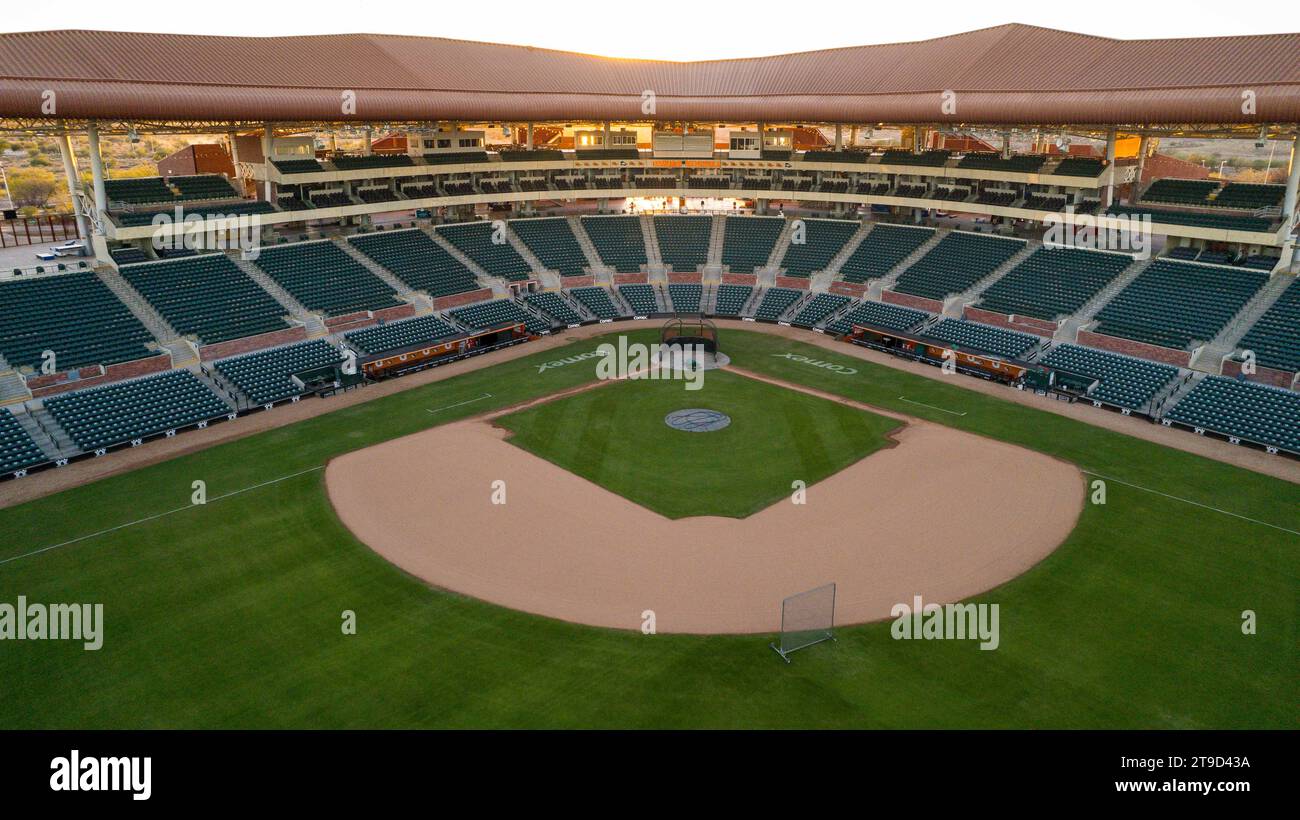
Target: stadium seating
{"points": [[1255, 412], [1122, 380], [902, 156], [878, 314], [1053, 282], [972, 335], [75, 315], [685, 298], [475, 240], [203, 186], [138, 190], [835, 156], [641, 298], [1194, 219], [618, 240], [1275, 337], [207, 297], [1174, 303], [883, 248], [455, 157], [597, 301], [1180, 191], [347, 162], [1262, 262], [731, 299], [992, 161], [128, 256], [264, 376], [824, 238], [748, 241], [418, 261], [775, 302], [134, 219], [397, 335], [683, 240], [553, 305], [17, 450], [298, 166], [818, 308], [324, 278], [553, 243], [1080, 167], [957, 262], [1249, 196], [498, 312], [105, 416], [536, 155]]}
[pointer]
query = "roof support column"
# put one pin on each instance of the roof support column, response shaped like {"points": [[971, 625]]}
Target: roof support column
{"points": [[839, 137], [1289, 214], [74, 185], [1006, 145], [97, 174], [1109, 198], [605, 144], [530, 136], [268, 140], [369, 137], [1136, 188], [916, 139]]}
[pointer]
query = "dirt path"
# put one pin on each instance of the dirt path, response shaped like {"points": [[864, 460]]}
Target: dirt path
{"points": [[122, 461], [921, 518]]}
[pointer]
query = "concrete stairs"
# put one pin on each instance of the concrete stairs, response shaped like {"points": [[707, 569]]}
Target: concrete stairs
{"points": [[1209, 359], [13, 387], [531, 258], [717, 232], [423, 303], [485, 279], [654, 260], [878, 286], [235, 398], [588, 249], [954, 305], [1069, 329], [139, 307], [833, 268], [312, 322], [779, 248], [53, 440]]}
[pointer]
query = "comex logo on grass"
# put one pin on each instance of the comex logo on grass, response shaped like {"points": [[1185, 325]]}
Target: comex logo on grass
{"points": [[75, 773], [53, 622], [831, 366], [951, 622]]}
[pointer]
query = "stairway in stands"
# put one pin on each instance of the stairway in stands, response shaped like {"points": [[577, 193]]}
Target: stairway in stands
{"points": [[550, 279], [485, 279], [1069, 329], [182, 352], [598, 268], [837, 262], [13, 387], [772, 269], [423, 304], [654, 260], [954, 306], [717, 234], [877, 286], [53, 440], [312, 322], [1209, 359]]}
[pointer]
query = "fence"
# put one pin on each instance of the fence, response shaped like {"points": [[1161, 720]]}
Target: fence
{"points": [[35, 230]]}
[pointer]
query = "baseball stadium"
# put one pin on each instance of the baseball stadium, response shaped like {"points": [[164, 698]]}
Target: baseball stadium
{"points": [[451, 384]]}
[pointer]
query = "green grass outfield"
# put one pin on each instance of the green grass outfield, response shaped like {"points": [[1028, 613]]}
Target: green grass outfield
{"points": [[227, 615], [616, 437]]}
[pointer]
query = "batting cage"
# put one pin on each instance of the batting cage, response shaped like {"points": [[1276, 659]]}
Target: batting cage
{"points": [[690, 330], [806, 619]]}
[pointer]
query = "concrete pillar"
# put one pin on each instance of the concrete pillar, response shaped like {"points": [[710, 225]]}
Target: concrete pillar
{"points": [[1292, 184], [369, 137], [1109, 198], [530, 136], [1142, 162], [74, 185], [916, 138], [1006, 145], [853, 137], [605, 144], [268, 138], [839, 137], [97, 174]]}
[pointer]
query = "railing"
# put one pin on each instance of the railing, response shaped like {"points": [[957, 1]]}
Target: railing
{"points": [[35, 230]]}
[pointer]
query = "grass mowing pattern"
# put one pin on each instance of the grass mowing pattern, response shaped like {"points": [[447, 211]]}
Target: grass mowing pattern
{"points": [[615, 436], [228, 615]]}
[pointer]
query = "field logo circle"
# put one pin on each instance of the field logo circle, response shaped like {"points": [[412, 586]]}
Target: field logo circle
{"points": [[697, 420]]}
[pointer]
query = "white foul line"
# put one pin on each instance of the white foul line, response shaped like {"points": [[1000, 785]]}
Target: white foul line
{"points": [[159, 515], [931, 406], [458, 404], [1189, 501]]}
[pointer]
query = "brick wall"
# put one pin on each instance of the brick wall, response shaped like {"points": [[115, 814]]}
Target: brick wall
{"points": [[795, 282], [908, 300], [233, 347], [1024, 324], [458, 299], [578, 281], [686, 277], [629, 278], [849, 289], [1129, 347], [97, 375], [1263, 375], [740, 279]]}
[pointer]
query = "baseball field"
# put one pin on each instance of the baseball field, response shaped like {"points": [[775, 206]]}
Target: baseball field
{"points": [[227, 614]]}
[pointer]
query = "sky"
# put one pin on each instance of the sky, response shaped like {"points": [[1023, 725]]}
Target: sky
{"points": [[663, 29]]}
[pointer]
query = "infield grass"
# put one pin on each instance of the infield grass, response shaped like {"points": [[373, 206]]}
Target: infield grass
{"points": [[228, 614]]}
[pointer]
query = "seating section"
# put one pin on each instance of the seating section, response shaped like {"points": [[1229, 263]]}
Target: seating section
{"points": [[775, 302], [298, 166], [552, 241], [1275, 338], [993, 161], [835, 156], [818, 308], [685, 298], [203, 186], [75, 315], [128, 256], [641, 298], [1194, 219], [972, 335], [499, 312], [683, 240], [418, 261], [1249, 196], [555, 306], [17, 450], [607, 153], [1122, 380], [207, 297], [536, 155], [246, 207], [1053, 282], [345, 162], [823, 239], [883, 248], [455, 157], [397, 335], [264, 376], [138, 190], [597, 301], [618, 240], [324, 278], [1080, 167], [1174, 303], [1255, 412], [475, 240], [878, 314], [748, 241], [105, 416], [902, 156], [731, 299], [1180, 191], [957, 262]]}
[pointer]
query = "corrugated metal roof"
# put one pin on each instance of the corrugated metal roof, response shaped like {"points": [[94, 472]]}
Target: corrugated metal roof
{"points": [[1011, 73]]}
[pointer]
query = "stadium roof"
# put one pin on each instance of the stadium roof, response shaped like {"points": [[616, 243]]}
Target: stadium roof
{"points": [[1013, 74]]}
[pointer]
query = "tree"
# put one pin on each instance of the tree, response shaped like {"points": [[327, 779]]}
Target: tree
{"points": [[32, 186]]}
